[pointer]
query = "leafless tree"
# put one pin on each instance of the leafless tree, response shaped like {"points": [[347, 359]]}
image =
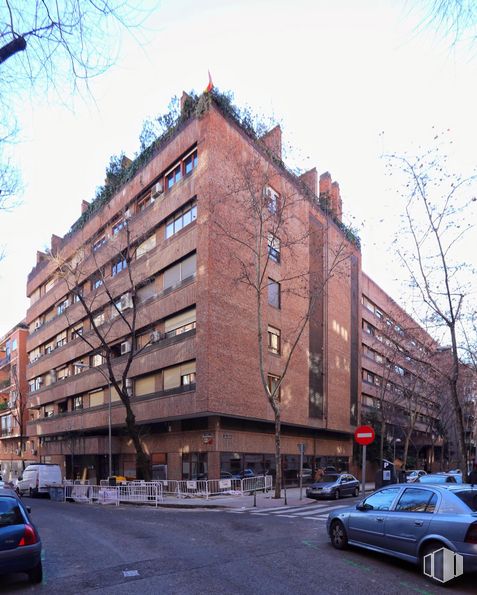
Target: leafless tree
{"points": [[111, 319], [456, 19], [438, 213], [271, 226]]}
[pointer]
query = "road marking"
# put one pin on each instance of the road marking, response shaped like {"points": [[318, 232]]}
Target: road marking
{"points": [[128, 573], [260, 513], [315, 518], [288, 516]]}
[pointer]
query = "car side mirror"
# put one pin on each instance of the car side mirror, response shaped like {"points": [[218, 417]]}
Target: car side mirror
{"points": [[28, 509], [363, 506]]}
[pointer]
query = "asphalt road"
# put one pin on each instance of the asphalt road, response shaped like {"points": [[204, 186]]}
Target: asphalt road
{"points": [[94, 549]]}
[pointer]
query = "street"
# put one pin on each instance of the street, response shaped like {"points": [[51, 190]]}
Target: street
{"points": [[94, 549]]}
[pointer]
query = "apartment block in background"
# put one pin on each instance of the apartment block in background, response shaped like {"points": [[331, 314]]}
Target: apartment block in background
{"points": [[15, 449]]}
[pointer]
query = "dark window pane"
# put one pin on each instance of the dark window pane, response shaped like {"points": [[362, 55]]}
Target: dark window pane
{"points": [[414, 501], [382, 500]]}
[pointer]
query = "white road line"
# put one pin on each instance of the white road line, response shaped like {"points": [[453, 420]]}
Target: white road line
{"points": [[260, 513], [271, 509], [315, 518], [288, 516]]}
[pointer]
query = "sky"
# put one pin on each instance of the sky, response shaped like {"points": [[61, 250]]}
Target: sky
{"points": [[347, 81]]}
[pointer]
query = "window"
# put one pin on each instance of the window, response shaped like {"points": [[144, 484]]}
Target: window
{"points": [[77, 331], [14, 345], [368, 328], [173, 176], [117, 226], [62, 407], [10, 514], [180, 271], [382, 500], [274, 293], [181, 218], [77, 403], [62, 374], [274, 340], [97, 280], [118, 265], [79, 367], [96, 398], [48, 411], [183, 375], [417, 501], [61, 307], [272, 198], [145, 385], [144, 202], [99, 243], [77, 292], [180, 323], [147, 245], [61, 339], [190, 162], [272, 382], [273, 248], [367, 303]]}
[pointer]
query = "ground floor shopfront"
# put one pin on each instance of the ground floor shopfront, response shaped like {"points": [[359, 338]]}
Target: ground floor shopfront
{"points": [[202, 448]]}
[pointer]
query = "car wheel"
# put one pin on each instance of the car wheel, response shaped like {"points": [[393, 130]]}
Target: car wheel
{"points": [[428, 549], [339, 539], [337, 495], [356, 492], [36, 574]]}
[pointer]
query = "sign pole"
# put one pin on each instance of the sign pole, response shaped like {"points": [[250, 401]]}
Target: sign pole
{"points": [[301, 471], [363, 472]]}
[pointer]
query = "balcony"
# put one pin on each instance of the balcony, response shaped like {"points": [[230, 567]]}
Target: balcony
{"points": [[5, 360]]}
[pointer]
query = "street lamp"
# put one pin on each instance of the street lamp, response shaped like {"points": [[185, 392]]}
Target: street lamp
{"points": [[82, 366]]}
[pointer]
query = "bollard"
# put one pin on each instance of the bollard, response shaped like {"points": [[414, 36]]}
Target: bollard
{"points": [[255, 498]]}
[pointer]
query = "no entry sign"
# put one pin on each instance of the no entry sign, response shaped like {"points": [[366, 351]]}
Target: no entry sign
{"points": [[364, 435]]}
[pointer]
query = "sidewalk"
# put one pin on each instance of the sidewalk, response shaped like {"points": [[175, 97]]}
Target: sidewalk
{"points": [[238, 502]]}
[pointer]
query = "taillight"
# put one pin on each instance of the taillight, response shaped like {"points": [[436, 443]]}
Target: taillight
{"points": [[29, 536], [471, 536]]}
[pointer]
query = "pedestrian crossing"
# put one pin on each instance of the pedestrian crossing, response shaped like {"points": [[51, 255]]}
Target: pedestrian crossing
{"points": [[314, 512]]}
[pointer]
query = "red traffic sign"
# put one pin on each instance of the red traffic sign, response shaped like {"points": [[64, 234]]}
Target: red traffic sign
{"points": [[364, 435]]}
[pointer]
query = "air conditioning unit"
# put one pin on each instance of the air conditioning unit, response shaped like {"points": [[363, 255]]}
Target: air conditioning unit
{"points": [[157, 189], [126, 301], [156, 336], [128, 214], [37, 324], [125, 347]]}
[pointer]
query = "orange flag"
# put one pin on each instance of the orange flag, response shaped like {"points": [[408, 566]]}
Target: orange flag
{"points": [[210, 86]]}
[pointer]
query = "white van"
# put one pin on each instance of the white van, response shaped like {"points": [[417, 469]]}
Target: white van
{"points": [[38, 478]]}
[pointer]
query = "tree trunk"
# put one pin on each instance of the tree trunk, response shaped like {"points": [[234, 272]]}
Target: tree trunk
{"points": [[142, 459], [381, 444], [456, 404], [407, 439], [278, 456]]}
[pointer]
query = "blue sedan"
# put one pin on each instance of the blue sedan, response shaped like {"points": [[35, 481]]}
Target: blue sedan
{"points": [[20, 545], [411, 521]]}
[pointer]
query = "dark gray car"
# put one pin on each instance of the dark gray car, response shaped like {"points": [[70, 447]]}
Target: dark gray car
{"points": [[20, 545], [410, 521], [334, 485]]}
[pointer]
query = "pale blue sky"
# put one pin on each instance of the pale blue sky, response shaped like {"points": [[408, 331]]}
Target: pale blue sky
{"points": [[335, 74]]}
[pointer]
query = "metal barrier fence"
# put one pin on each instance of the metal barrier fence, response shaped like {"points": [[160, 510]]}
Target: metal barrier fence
{"points": [[152, 492], [133, 492]]}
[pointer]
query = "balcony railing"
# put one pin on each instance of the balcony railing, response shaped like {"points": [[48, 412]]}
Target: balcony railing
{"points": [[5, 360]]}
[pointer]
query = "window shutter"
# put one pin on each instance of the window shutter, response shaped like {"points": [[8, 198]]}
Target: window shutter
{"points": [[172, 377], [145, 385], [180, 320]]}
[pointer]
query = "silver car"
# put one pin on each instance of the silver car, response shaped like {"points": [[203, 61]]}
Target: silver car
{"points": [[410, 521]]}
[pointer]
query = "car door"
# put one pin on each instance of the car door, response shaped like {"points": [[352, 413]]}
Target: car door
{"points": [[366, 523], [409, 520]]}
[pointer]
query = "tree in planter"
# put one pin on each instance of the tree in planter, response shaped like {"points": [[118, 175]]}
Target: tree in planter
{"points": [[111, 317], [438, 209], [271, 227]]}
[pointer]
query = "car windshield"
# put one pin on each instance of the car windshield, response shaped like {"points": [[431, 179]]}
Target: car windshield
{"points": [[10, 513], [329, 478], [469, 498]]}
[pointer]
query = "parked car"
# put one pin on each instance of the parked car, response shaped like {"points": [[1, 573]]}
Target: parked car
{"points": [[410, 521], [439, 478], [38, 478], [330, 469], [414, 474], [227, 475], [334, 485], [20, 544], [246, 473]]}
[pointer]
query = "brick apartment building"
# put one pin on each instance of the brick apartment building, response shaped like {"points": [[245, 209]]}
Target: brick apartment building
{"points": [[15, 450], [195, 383], [398, 378]]}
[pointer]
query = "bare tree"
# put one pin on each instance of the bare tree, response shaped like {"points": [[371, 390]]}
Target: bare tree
{"points": [[271, 227], [457, 19], [438, 208], [111, 319]]}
